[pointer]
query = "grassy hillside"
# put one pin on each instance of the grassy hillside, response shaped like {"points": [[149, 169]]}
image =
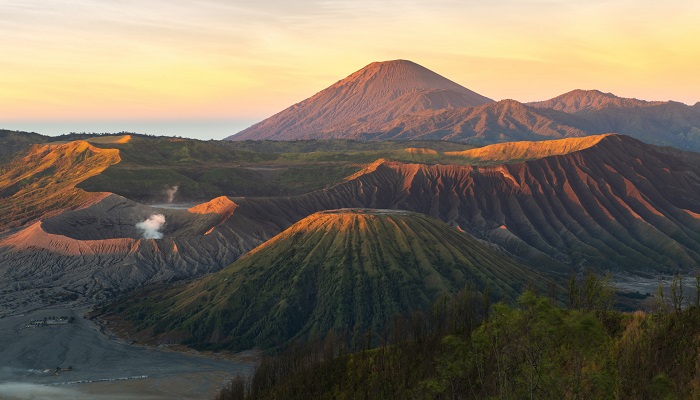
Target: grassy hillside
{"points": [[347, 270], [41, 182], [512, 152], [205, 169], [340, 146]]}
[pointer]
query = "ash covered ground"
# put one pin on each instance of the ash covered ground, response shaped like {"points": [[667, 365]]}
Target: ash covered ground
{"points": [[100, 367]]}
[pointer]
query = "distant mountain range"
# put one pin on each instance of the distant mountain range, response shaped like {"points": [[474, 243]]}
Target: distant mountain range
{"points": [[578, 101], [401, 100]]}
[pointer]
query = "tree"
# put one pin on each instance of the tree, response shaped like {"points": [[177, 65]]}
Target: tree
{"points": [[677, 293], [593, 293]]}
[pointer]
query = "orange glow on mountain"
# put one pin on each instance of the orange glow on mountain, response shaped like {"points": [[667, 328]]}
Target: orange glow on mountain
{"points": [[45, 178], [419, 150], [122, 139], [34, 237], [519, 151], [221, 205]]}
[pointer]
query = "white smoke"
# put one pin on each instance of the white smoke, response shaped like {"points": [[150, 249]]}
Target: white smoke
{"points": [[171, 193], [152, 226]]}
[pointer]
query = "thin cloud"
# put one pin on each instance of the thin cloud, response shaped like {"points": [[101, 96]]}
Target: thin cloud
{"points": [[233, 59]]}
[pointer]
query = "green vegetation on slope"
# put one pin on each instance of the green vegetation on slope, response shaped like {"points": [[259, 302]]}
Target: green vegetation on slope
{"points": [[529, 350], [201, 170], [341, 146], [341, 270], [205, 169]]}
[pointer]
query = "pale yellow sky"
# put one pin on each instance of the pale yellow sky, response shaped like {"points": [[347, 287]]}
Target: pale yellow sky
{"points": [[223, 59]]}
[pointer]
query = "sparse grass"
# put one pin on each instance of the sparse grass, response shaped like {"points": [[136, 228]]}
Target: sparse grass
{"points": [[204, 170], [42, 181]]}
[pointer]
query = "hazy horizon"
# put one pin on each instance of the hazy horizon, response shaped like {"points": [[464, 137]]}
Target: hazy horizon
{"points": [[196, 128], [221, 60], [203, 129]]}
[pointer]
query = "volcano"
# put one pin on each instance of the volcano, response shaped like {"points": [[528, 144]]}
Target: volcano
{"points": [[400, 100], [609, 202], [364, 101], [334, 270]]}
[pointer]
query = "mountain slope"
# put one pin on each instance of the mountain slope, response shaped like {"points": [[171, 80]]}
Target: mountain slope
{"points": [[590, 100], [665, 124], [399, 100], [201, 170], [42, 182], [13, 141], [511, 152], [618, 204], [502, 121], [348, 270], [376, 94], [96, 252]]}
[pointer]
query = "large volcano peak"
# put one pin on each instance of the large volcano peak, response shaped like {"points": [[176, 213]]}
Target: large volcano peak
{"points": [[377, 93]]}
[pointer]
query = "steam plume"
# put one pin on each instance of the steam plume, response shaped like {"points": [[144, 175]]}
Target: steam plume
{"points": [[152, 226], [171, 193]]}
